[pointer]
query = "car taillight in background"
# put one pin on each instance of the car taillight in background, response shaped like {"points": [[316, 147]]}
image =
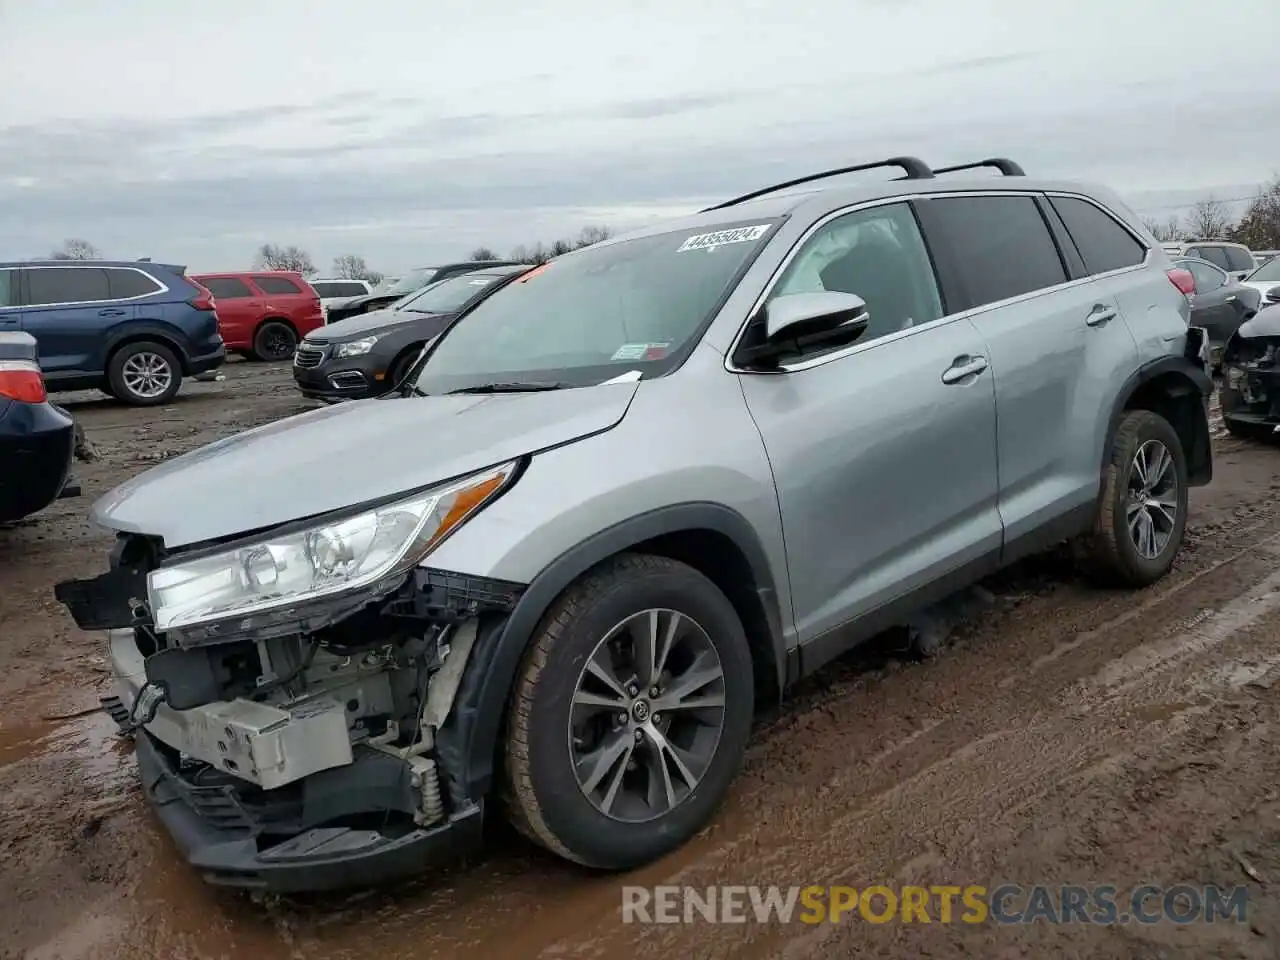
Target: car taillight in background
{"points": [[203, 300], [22, 380], [1183, 280]]}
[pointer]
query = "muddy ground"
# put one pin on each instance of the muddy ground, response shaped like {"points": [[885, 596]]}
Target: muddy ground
{"points": [[1067, 735]]}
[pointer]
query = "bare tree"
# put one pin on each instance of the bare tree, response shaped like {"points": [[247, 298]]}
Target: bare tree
{"points": [[1209, 219], [1259, 228], [484, 253], [1168, 230], [592, 235], [74, 249], [352, 267], [272, 256]]}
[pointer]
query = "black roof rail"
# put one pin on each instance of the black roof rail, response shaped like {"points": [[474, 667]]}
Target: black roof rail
{"points": [[1005, 166], [915, 169]]}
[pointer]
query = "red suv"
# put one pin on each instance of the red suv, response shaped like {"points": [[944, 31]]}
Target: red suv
{"points": [[263, 315]]}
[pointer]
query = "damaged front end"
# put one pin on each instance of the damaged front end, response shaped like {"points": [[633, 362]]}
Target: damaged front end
{"points": [[288, 693], [1251, 376]]}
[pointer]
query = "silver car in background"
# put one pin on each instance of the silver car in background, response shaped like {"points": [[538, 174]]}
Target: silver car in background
{"points": [[627, 499]]}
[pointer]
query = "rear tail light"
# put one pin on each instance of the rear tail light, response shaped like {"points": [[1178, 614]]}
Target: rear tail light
{"points": [[1183, 280], [203, 300], [21, 380]]}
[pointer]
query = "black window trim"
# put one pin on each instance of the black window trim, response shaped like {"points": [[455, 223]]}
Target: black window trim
{"points": [[912, 199], [162, 286]]}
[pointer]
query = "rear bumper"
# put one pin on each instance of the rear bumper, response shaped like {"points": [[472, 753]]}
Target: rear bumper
{"points": [[206, 362], [37, 442]]}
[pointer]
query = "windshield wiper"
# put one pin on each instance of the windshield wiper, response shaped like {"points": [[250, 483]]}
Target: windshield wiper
{"points": [[514, 386]]}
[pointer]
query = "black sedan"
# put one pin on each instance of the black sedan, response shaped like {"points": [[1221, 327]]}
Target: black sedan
{"points": [[1220, 303], [368, 355], [1251, 377], [415, 280], [37, 439]]}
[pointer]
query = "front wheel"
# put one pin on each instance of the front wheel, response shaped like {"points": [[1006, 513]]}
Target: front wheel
{"points": [[144, 374], [1141, 514], [630, 715]]}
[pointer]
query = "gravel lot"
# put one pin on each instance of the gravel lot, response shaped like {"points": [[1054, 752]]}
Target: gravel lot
{"points": [[1067, 736]]}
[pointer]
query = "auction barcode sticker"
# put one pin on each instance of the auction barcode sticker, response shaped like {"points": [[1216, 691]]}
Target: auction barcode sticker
{"points": [[709, 241]]}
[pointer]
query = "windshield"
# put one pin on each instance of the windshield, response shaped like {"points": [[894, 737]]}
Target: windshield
{"points": [[413, 280], [448, 296], [1269, 272], [633, 305]]}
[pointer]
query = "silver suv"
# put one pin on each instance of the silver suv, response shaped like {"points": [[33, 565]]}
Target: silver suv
{"points": [[630, 497]]}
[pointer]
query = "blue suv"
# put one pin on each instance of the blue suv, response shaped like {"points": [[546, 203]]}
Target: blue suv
{"points": [[132, 329]]}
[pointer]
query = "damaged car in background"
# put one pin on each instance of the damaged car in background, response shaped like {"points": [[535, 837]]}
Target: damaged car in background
{"points": [[1250, 394], [628, 497]]}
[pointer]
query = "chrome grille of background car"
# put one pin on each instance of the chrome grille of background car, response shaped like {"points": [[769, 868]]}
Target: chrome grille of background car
{"points": [[308, 356]]}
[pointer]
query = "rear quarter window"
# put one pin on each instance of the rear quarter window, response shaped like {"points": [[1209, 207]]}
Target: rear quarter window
{"points": [[990, 248], [127, 284], [276, 285], [1104, 244]]}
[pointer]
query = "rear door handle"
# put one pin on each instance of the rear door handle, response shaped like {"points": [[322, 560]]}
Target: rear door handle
{"points": [[112, 312], [964, 367], [1100, 315], [1231, 298]]}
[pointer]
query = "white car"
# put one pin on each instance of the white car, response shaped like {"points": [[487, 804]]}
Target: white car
{"points": [[1265, 279], [338, 290]]}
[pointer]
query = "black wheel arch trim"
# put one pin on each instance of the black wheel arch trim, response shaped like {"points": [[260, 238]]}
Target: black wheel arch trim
{"points": [[1195, 380], [467, 744], [140, 331]]}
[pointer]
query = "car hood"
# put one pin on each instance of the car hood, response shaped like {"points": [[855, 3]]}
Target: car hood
{"points": [[353, 328], [346, 455]]}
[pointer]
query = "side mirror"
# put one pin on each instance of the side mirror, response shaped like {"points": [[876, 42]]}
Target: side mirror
{"points": [[801, 316], [1273, 295]]}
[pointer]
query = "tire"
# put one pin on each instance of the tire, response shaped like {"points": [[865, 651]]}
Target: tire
{"points": [[1110, 551], [144, 374], [545, 798], [274, 342], [401, 366]]}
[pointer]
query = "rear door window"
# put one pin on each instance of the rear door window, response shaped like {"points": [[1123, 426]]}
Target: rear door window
{"points": [[276, 285], [66, 285], [1215, 255], [8, 288], [1239, 259], [1104, 244], [1207, 277], [226, 288], [127, 284], [990, 248], [338, 288]]}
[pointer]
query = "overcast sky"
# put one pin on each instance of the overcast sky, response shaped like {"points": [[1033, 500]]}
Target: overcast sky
{"points": [[410, 132]]}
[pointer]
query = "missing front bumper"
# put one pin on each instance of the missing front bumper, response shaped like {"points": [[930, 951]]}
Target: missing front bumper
{"points": [[252, 840]]}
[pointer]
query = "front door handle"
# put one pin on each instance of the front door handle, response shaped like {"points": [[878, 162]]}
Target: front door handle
{"points": [[1099, 315], [112, 312], [964, 367]]}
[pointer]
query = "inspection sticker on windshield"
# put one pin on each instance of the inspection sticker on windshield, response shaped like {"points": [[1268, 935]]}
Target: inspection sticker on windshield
{"points": [[641, 351], [709, 241]]}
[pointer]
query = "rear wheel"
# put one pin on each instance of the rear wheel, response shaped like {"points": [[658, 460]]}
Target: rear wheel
{"points": [[630, 715], [274, 341], [1142, 509], [144, 374]]}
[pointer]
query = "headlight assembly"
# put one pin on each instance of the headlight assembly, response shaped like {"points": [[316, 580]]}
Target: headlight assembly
{"points": [[329, 558], [354, 348]]}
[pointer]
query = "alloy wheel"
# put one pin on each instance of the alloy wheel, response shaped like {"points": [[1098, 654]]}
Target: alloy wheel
{"points": [[147, 375], [1151, 507], [647, 714]]}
